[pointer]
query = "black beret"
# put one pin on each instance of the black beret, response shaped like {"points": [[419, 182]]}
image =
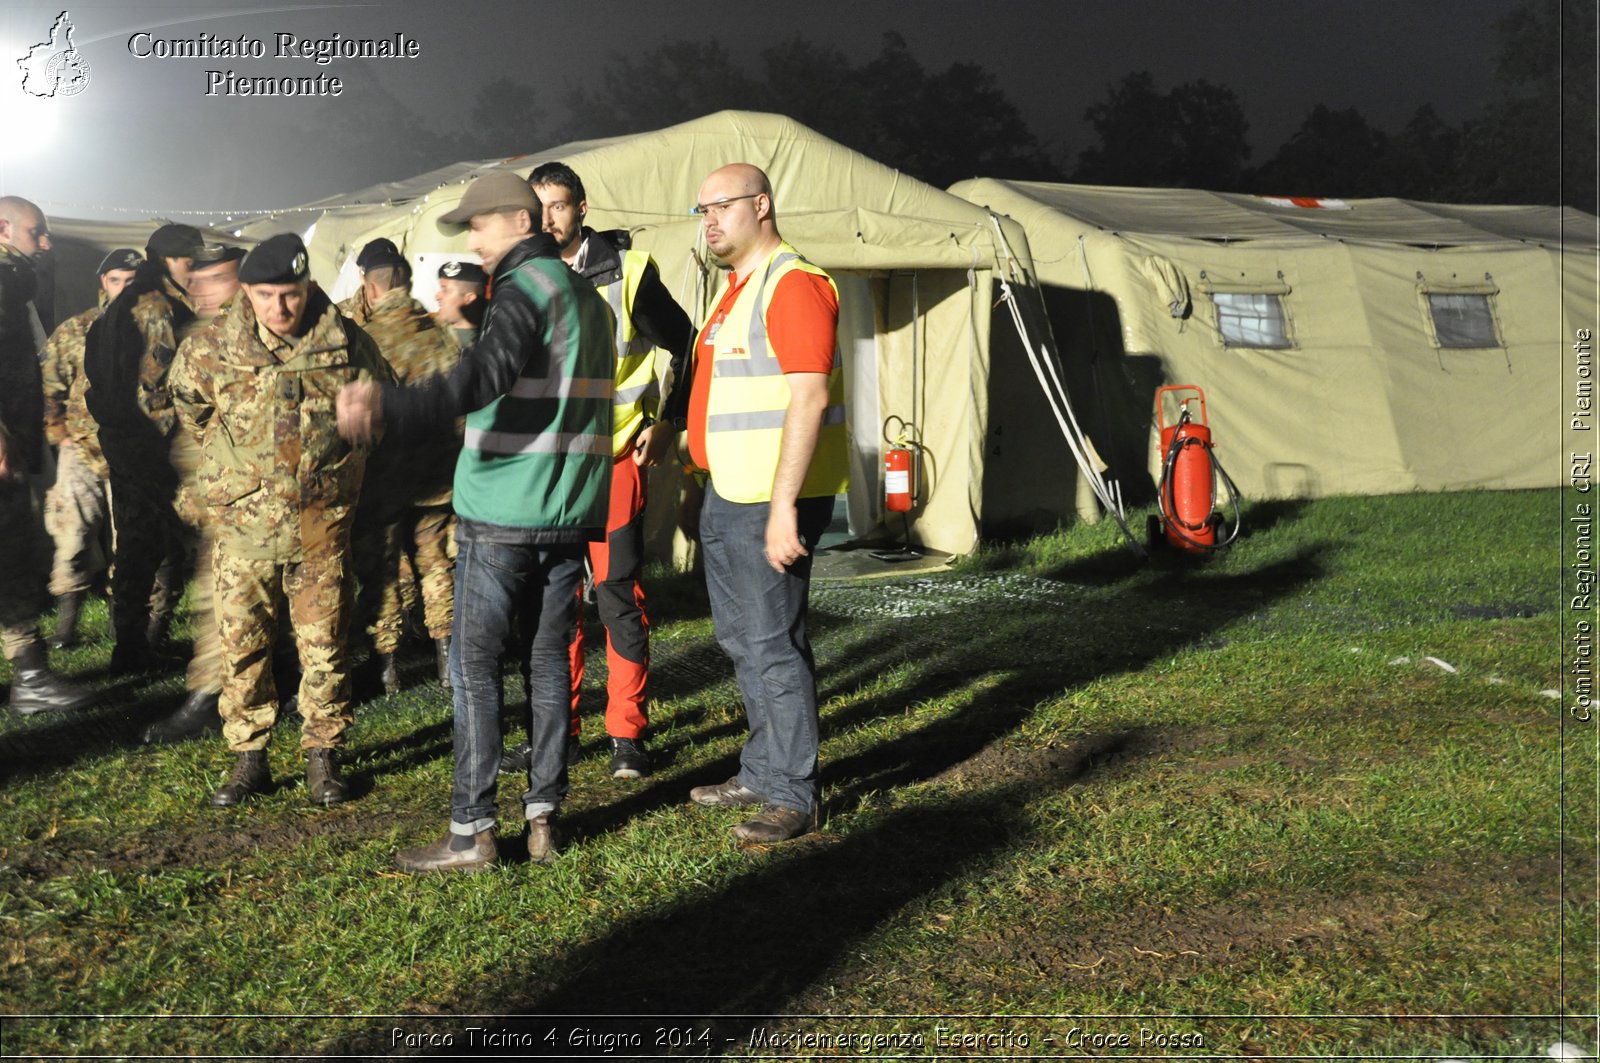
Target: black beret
{"points": [[467, 272], [378, 253], [121, 258], [279, 259], [174, 241], [215, 255]]}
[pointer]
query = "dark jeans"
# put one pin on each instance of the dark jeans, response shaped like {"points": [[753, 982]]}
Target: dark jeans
{"points": [[494, 583], [760, 617]]}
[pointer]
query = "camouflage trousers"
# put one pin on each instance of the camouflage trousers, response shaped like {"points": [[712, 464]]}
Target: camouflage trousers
{"points": [[205, 662], [24, 551], [149, 542], [418, 559], [77, 514], [249, 597]]}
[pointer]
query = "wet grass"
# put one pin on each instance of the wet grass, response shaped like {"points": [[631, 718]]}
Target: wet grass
{"points": [[1229, 809]]}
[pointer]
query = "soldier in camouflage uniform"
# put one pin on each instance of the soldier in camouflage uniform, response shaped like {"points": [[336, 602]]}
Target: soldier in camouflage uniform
{"points": [[461, 300], [128, 354], [406, 515], [77, 509], [213, 281], [280, 487], [24, 237]]}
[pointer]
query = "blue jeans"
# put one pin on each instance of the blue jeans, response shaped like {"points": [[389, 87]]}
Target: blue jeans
{"points": [[494, 581], [760, 618]]}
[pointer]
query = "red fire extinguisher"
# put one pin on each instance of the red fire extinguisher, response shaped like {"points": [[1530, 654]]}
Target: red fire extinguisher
{"points": [[1191, 477], [899, 478]]}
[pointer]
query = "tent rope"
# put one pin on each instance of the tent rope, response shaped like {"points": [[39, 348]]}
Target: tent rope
{"points": [[1055, 393]]}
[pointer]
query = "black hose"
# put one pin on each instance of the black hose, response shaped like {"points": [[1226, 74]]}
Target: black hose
{"points": [[1168, 494]]}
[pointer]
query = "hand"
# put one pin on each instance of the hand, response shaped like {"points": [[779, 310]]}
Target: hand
{"points": [[5, 468], [650, 446], [359, 409], [784, 547]]}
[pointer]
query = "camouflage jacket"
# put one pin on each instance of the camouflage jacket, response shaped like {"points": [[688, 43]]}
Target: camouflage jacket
{"points": [[21, 398], [416, 347], [277, 480], [66, 414]]}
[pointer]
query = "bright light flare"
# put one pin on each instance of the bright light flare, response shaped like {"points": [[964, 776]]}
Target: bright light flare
{"points": [[31, 122]]}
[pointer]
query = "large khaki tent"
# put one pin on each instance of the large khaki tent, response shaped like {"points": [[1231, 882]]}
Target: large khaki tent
{"points": [[917, 269], [1361, 347]]}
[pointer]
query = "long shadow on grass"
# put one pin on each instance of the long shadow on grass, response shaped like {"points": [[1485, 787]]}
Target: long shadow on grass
{"points": [[57, 740], [1000, 666], [774, 931], [995, 663]]}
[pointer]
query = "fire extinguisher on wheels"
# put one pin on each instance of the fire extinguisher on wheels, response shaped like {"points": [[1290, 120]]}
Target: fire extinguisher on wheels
{"points": [[1190, 518]]}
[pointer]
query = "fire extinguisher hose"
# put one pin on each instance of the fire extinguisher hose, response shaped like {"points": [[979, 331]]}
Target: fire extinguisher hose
{"points": [[1169, 494]]}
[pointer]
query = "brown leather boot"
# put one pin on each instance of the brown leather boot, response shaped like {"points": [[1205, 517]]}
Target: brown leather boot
{"points": [[543, 838], [250, 776], [324, 785], [480, 855]]}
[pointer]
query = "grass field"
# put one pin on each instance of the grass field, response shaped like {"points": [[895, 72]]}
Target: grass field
{"points": [[1310, 798]]}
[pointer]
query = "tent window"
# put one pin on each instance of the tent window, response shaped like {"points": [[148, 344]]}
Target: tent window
{"points": [[1462, 320], [1249, 319]]}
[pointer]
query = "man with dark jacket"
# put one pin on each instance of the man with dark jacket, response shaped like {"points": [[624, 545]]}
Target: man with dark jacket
{"points": [[530, 492], [77, 510], [127, 356], [24, 237]]}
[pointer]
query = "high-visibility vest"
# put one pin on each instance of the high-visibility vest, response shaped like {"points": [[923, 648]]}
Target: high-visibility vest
{"points": [[638, 391], [749, 397], [539, 456]]}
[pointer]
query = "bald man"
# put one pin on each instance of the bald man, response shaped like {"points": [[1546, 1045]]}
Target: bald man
{"points": [[24, 238], [766, 421]]}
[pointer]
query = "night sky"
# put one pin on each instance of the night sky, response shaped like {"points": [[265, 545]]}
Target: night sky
{"points": [[142, 138]]}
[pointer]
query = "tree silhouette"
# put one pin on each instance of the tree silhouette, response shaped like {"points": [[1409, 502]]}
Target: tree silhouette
{"points": [[1333, 153], [505, 119], [939, 127], [1190, 137], [1536, 143]]}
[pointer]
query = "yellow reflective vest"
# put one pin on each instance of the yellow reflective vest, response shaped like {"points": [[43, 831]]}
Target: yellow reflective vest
{"points": [[749, 397], [638, 391]]}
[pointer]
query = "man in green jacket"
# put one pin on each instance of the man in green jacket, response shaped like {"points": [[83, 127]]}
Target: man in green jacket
{"points": [[530, 493]]}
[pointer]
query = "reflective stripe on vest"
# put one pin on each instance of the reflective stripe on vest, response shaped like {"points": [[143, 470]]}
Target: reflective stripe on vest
{"points": [[637, 390], [505, 443], [749, 398]]}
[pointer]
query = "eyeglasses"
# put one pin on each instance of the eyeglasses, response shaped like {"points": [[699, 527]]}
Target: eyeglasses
{"points": [[715, 210]]}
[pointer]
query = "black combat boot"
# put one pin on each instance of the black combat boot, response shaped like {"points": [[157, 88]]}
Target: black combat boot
{"points": [[195, 717], [158, 630], [324, 786], [35, 688], [441, 656], [250, 776], [68, 606]]}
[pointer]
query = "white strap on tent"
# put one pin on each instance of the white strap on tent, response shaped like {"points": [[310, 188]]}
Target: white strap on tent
{"points": [[1054, 391]]}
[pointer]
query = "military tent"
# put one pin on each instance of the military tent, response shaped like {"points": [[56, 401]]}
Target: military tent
{"points": [[917, 270], [1366, 346]]}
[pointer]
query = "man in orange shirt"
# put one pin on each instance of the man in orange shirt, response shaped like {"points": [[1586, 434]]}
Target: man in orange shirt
{"points": [[766, 421]]}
